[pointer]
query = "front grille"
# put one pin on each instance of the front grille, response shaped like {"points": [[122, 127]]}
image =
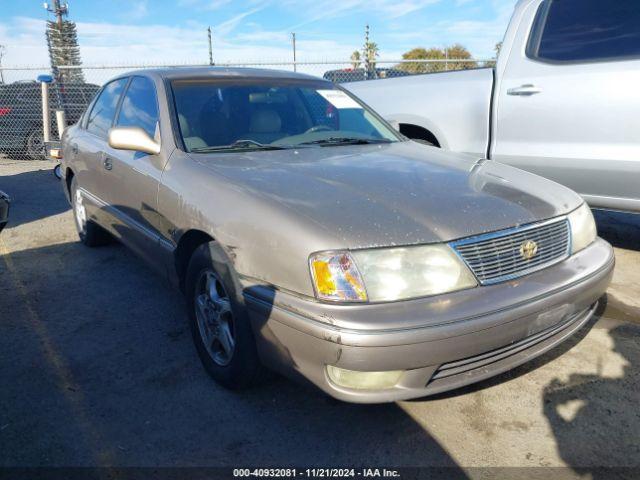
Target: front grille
{"points": [[497, 257]]}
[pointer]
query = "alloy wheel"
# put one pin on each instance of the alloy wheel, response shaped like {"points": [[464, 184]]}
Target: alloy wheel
{"points": [[215, 318]]}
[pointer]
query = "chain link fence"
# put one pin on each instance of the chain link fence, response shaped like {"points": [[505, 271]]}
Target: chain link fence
{"points": [[21, 128]]}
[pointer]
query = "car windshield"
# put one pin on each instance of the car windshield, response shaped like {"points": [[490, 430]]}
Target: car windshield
{"points": [[253, 115]]}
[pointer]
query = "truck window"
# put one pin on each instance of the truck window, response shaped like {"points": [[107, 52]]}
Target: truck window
{"points": [[585, 31]]}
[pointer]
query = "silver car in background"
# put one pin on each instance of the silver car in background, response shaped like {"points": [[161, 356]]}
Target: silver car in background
{"points": [[561, 102], [308, 236]]}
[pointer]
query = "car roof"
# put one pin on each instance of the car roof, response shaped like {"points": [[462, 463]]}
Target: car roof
{"points": [[203, 73]]}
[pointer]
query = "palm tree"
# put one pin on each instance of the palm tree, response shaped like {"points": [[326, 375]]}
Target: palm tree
{"points": [[355, 60], [371, 52]]}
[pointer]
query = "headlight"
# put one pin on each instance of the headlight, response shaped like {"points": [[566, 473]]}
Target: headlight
{"points": [[583, 228], [391, 273]]}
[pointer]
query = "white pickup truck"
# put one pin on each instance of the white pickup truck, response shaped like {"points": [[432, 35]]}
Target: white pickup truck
{"points": [[563, 100]]}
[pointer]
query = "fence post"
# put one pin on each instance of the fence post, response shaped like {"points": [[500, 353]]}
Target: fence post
{"points": [[45, 80], [61, 122]]}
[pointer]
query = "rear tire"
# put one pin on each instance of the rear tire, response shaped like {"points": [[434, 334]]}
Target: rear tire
{"points": [[91, 234], [219, 320]]}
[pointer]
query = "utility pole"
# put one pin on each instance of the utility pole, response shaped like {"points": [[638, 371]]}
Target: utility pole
{"points": [[210, 46], [366, 52], [58, 10], [2, 52], [446, 58], [293, 41]]}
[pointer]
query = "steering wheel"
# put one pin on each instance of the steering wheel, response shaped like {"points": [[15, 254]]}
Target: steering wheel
{"points": [[319, 128]]}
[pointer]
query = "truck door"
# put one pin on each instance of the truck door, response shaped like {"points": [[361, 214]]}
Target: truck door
{"points": [[567, 101]]}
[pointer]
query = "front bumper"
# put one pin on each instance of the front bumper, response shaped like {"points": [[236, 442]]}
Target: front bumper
{"points": [[441, 342]]}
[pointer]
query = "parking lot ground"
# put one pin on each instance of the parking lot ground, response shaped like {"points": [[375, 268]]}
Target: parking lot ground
{"points": [[97, 368]]}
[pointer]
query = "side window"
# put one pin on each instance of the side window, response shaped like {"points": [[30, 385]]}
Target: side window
{"points": [[139, 107], [103, 111], [586, 30]]}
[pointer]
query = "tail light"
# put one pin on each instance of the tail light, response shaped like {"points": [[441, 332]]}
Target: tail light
{"points": [[4, 111]]}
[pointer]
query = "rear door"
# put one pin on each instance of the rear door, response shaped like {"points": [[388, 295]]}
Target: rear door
{"points": [[133, 178], [567, 103]]}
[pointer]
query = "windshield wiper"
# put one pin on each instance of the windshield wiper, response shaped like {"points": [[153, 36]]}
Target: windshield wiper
{"points": [[240, 145], [346, 141]]}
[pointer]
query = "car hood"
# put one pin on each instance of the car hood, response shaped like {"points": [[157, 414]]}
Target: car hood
{"points": [[394, 194]]}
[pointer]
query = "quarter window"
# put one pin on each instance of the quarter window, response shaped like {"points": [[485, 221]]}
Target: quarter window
{"points": [[586, 30], [139, 106], [103, 111]]}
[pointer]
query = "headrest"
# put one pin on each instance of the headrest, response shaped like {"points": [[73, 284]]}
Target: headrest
{"points": [[184, 126], [265, 121]]}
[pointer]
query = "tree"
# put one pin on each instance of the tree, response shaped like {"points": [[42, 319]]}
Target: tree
{"points": [[455, 52], [355, 60], [497, 48], [62, 40], [370, 54], [422, 54]]}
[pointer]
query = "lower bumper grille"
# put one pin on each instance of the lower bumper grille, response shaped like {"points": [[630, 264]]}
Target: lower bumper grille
{"points": [[469, 364]]}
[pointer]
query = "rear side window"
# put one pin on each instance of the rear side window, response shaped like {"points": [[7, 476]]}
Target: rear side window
{"points": [[103, 111], [139, 106], [586, 30]]}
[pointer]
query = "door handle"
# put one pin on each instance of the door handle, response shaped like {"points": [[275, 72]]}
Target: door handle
{"points": [[108, 164], [524, 90]]}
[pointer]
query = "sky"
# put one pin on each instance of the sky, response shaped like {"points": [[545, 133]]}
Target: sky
{"points": [[174, 31]]}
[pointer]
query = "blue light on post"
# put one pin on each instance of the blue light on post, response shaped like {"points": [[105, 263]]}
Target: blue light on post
{"points": [[45, 78]]}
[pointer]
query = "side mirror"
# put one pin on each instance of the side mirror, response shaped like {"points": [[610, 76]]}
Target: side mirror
{"points": [[133, 138]]}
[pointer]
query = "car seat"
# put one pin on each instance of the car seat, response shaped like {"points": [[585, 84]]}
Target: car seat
{"points": [[265, 126], [190, 142]]}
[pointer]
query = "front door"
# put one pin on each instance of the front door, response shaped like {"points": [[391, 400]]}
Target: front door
{"points": [[567, 104], [134, 177]]}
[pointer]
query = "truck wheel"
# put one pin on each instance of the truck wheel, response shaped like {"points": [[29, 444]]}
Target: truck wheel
{"points": [[219, 320], [34, 145], [91, 234]]}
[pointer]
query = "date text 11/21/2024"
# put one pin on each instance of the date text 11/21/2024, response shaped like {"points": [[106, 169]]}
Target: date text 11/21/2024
{"points": [[316, 472]]}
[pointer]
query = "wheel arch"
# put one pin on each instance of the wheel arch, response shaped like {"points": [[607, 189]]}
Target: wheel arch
{"points": [[68, 178], [187, 244], [419, 127], [416, 132]]}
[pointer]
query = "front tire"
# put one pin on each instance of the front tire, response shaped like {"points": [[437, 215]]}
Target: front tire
{"points": [[219, 320], [91, 234]]}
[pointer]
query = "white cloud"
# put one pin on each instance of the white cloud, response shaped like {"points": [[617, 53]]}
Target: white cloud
{"points": [[229, 25], [241, 38], [138, 10], [328, 9], [107, 44], [478, 36], [204, 4]]}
